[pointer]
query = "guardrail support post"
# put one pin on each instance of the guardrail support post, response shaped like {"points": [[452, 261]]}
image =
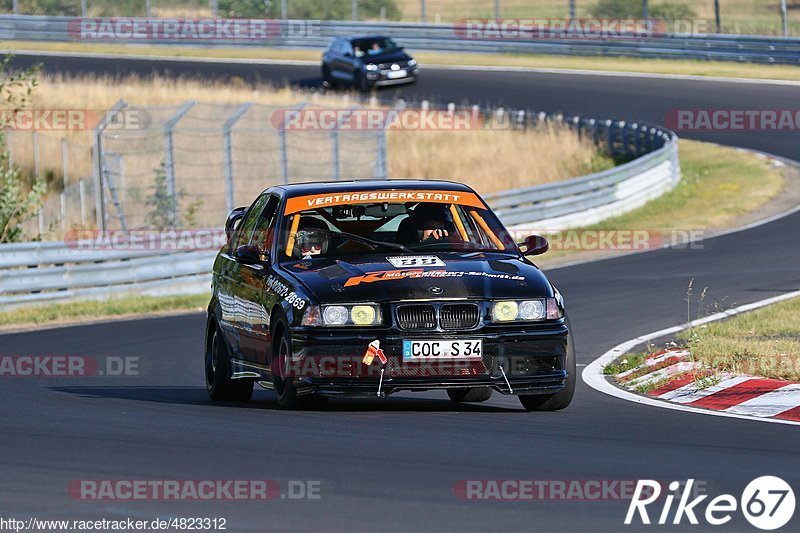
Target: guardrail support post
{"points": [[10, 147], [228, 152], [169, 157], [82, 199], [381, 169], [784, 18], [35, 136], [284, 147], [97, 170], [354, 9], [423, 15], [112, 189], [337, 162], [65, 178]]}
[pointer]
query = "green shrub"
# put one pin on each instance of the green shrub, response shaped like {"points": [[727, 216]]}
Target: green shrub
{"points": [[18, 200], [619, 9]]}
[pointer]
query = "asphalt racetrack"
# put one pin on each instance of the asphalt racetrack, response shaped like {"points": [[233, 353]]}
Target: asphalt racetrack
{"points": [[393, 464]]}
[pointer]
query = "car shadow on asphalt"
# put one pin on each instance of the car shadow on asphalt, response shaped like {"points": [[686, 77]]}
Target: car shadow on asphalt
{"points": [[197, 396]]}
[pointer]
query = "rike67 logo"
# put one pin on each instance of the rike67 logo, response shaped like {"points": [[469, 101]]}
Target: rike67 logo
{"points": [[767, 503]]}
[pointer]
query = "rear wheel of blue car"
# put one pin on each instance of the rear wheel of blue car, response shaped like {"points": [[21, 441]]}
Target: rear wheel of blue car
{"points": [[561, 399], [282, 381], [327, 77], [219, 384]]}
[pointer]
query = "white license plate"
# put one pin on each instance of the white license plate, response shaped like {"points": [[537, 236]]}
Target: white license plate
{"points": [[464, 349], [393, 75]]}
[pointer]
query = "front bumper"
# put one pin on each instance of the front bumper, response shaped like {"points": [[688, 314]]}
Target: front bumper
{"points": [[529, 360], [380, 78]]}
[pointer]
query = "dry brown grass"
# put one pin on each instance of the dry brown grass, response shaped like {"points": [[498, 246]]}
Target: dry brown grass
{"points": [[491, 161], [738, 16], [486, 159]]}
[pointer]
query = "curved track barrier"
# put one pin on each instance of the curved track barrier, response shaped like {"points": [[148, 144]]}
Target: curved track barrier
{"points": [[460, 37]]}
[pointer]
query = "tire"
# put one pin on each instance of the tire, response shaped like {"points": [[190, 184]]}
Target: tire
{"points": [[561, 399], [219, 384], [284, 386], [470, 394], [360, 82], [327, 79]]}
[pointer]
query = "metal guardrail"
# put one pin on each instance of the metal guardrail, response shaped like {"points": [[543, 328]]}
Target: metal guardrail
{"points": [[448, 37], [590, 199], [36, 272]]}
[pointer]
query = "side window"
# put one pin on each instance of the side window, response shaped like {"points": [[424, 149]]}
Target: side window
{"points": [[245, 230], [264, 233]]}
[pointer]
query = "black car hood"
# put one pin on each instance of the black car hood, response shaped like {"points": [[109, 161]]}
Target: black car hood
{"points": [[372, 278], [389, 57]]}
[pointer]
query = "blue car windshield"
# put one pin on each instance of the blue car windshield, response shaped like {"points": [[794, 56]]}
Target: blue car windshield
{"points": [[374, 47]]}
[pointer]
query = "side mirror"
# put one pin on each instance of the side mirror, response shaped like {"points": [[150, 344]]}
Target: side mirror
{"points": [[235, 216], [534, 245], [247, 254]]}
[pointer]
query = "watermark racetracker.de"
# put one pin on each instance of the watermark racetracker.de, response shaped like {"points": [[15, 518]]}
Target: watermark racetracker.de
{"points": [[69, 366]]}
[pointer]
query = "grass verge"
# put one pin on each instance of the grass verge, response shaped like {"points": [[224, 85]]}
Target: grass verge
{"points": [[68, 312], [764, 342], [624, 364], [720, 186], [610, 64]]}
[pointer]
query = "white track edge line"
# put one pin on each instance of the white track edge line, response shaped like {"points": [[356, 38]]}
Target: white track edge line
{"points": [[593, 375]]}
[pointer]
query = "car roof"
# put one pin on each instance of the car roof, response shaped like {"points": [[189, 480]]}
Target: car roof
{"points": [[323, 187], [352, 38]]}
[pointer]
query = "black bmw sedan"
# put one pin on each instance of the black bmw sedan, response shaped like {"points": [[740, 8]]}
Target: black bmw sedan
{"points": [[368, 288], [366, 62]]}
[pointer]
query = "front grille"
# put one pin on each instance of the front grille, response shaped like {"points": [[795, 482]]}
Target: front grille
{"points": [[388, 66], [416, 317], [459, 316]]}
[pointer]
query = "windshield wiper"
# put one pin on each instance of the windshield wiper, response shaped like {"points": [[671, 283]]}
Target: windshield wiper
{"points": [[370, 242]]}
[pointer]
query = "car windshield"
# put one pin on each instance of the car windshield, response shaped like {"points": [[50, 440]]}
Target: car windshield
{"points": [[361, 222], [374, 46]]}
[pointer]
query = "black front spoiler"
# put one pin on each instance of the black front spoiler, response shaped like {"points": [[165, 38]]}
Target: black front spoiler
{"points": [[372, 387]]}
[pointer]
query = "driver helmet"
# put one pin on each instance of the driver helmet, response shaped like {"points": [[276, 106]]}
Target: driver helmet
{"points": [[312, 237]]}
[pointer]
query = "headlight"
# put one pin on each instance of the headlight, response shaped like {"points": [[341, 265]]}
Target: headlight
{"points": [[526, 310], [362, 315], [532, 310], [412, 62], [372, 67], [349, 315], [505, 311], [335, 315]]}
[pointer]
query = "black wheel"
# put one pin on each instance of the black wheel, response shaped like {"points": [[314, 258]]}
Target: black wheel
{"points": [[218, 373], [470, 394], [360, 82], [561, 399], [284, 385], [327, 78]]}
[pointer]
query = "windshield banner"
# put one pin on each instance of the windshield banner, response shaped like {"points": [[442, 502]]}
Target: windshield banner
{"points": [[317, 201]]}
